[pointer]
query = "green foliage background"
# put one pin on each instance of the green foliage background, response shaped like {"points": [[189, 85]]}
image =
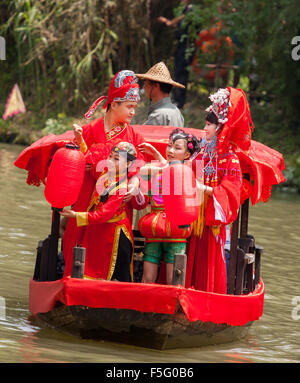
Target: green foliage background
{"points": [[63, 54]]}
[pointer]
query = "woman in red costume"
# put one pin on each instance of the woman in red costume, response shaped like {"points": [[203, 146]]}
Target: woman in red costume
{"points": [[101, 135], [228, 126], [107, 236]]}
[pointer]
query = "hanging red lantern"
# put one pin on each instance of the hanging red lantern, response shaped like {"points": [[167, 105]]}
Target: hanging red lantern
{"points": [[215, 46], [180, 194], [65, 177]]}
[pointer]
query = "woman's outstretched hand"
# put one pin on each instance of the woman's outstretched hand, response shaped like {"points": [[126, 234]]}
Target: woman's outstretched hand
{"points": [[68, 213], [149, 149]]}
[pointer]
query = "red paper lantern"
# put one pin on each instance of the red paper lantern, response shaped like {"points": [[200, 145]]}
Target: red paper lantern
{"points": [[65, 177], [180, 194]]}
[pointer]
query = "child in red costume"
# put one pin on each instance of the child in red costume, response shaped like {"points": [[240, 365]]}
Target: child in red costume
{"points": [[160, 236], [107, 235]]}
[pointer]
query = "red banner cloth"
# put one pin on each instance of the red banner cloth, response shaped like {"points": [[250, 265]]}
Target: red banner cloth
{"points": [[235, 310]]}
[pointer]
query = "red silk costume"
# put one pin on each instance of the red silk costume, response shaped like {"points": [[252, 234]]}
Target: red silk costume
{"points": [[206, 267], [107, 234], [100, 144]]}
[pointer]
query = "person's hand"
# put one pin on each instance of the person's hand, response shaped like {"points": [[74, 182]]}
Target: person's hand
{"points": [[201, 187], [164, 20], [78, 133], [204, 188], [147, 148], [133, 189], [68, 213]]}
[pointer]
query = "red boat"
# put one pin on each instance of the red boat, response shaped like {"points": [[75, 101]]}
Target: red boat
{"points": [[156, 315]]}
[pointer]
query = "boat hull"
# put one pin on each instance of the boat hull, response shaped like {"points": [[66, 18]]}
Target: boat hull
{"points": [[147, 315], [150, 330]]}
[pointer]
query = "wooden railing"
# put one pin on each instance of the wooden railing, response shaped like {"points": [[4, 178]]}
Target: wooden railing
{"points": [[245, 256]]}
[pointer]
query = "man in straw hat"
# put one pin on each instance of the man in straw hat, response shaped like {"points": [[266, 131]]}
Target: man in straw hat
{"points": [[157, 86]]}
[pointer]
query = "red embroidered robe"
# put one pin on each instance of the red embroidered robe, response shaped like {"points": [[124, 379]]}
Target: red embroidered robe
{"points": [[103, 226], [206, 267], [100, 144]]}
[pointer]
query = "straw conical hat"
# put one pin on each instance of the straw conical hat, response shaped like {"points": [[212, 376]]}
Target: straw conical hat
{"points": [[159, 72]]}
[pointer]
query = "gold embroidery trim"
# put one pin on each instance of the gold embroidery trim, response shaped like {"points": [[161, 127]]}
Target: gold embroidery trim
{"points": [[93, 278], [156, 208], [114, 133], [154, 223], [82, 218], [122, 185], [168, 228], [117, 218], [115, 248], [94, 201], [96, 198]]}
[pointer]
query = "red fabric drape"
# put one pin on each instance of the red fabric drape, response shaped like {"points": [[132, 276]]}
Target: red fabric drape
{"points": [[235, 310], [36, 157], [264, 164]]}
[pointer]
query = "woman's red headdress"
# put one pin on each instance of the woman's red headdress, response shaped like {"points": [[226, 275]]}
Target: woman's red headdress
{"points": [[232, 109]]}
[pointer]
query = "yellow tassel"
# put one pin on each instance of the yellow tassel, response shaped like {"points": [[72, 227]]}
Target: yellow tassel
{"points": [[199, 224], [216, 230], [83, 147]]}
